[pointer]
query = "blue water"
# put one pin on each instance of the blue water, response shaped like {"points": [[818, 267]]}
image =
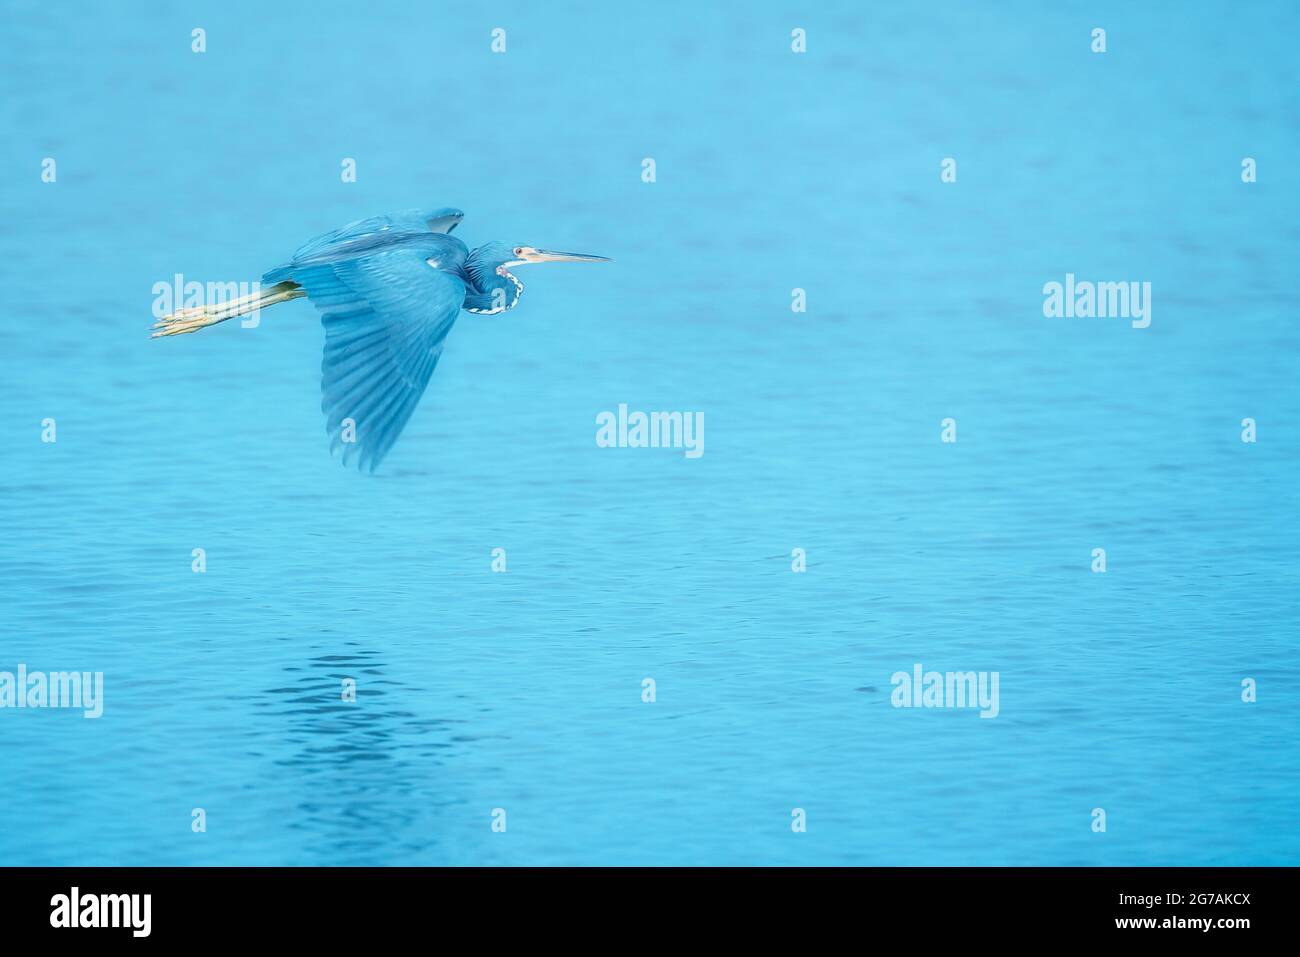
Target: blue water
{"points": [[523, 691]]}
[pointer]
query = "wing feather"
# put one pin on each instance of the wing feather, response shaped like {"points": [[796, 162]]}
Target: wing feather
{"points": [[386, 316], [404, 223]]}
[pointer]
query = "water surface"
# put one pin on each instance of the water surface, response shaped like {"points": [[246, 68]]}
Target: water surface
{"points": [[523, 690]]}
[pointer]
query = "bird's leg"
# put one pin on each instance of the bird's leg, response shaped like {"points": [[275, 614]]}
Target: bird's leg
{"points": [[195, 318]]}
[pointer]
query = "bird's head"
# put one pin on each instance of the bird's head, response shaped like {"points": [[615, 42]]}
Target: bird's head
{"points": [[489, 267], [505, 256]]}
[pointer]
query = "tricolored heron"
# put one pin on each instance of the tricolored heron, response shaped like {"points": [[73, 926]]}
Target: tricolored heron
{"points": [[388, 289]]}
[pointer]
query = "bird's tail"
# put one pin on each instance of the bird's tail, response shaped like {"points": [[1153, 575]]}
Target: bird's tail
{"points": [[196, 317]]}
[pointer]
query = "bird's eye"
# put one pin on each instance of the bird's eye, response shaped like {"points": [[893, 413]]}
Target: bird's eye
{"points": [[519, 250]]}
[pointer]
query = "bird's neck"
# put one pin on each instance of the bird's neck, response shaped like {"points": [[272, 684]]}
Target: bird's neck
{"points": [[491, 294]]}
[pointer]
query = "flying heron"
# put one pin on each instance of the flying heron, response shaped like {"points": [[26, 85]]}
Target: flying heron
{"points": [[388, 289]]}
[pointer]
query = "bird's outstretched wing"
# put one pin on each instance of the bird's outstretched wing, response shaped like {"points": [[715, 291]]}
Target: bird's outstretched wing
{"points": [[406, 222], [385, 317]]}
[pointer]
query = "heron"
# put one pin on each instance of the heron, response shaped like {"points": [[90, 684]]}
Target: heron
{"points": [[388, 289]]}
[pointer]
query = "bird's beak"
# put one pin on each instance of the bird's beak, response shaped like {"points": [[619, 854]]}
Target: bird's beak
{"points": [[530, 255]]}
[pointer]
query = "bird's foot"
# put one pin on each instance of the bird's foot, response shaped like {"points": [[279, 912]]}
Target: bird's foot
{"points": [[182, 321]]}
